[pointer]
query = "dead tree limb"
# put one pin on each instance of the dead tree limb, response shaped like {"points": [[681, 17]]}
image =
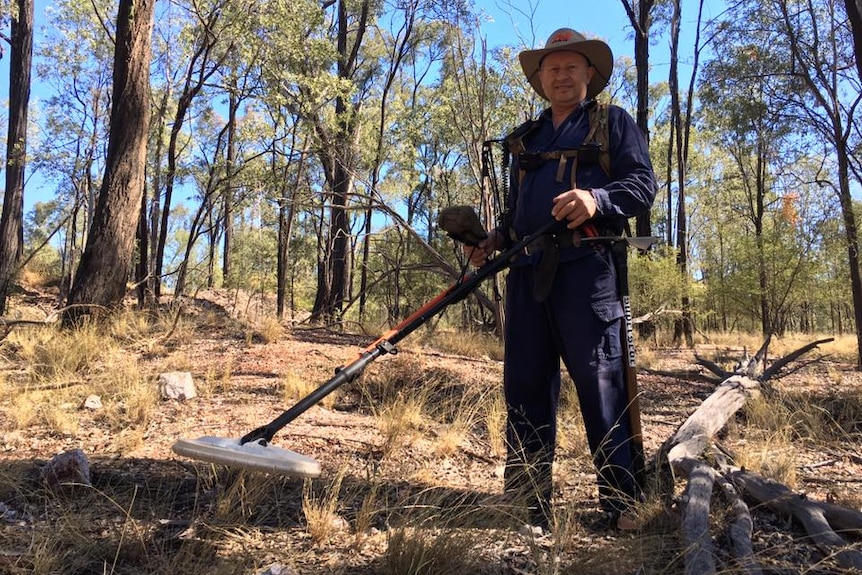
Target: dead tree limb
{"points": [[812, 515], [683, 451], [713, 367], [713, 414], [779, 364], [740, 528], [698, 553]]}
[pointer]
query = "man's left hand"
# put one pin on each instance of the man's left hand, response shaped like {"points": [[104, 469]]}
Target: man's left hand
{"points": [[577, 206]]}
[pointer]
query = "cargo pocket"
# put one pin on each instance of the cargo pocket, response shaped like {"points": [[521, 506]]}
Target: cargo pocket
{"points": [[608, 312]]}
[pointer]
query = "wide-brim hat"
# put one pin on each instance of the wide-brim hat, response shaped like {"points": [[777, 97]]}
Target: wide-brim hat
{"points": [[597, 52]]}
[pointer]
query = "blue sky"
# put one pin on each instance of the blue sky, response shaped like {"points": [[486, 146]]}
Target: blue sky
{"points": [[525, 26], [606, 20]]}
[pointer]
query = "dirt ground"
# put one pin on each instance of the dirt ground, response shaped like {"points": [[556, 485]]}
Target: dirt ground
{"points": [[392, 500]]}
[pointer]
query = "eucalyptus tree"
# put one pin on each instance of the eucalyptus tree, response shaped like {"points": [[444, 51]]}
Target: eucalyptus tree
{"points": [[741, 94], [107, 258], [12, 218], [399, 43], [207, 41], [820, 44], [642, 15], [337, 149], [678, 151], [210, 175], [221, 152], [854, 16], [74, 62], [297, 85]]}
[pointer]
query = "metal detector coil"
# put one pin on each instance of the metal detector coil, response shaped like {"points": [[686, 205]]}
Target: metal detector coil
{"points": [[257, 455]]}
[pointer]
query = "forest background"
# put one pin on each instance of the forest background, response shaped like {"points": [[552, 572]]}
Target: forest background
{"points": [[305, 149]]}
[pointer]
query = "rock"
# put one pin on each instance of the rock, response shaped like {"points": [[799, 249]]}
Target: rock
{"points": [[65, 470], [177, 385], [93, 402]]}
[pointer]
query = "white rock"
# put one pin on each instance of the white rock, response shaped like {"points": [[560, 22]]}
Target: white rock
{"points": [[93, 402], [177, 385]]}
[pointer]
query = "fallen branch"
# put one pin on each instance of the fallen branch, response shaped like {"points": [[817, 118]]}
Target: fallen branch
{"points": [[779, 364], [814, 516], [683, 450], [698, 552], [740, 528]]}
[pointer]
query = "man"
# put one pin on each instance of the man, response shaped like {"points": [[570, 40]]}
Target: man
{"points": [[562, 299]]}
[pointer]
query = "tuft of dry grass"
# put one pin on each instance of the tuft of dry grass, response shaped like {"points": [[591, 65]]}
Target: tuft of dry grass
{"points": [[466, 343], [571, 433], [56, 356], [320, 509], [399, 422], [268, 329], [416, 551], [495, 422], [294, 387], [367, 513], [218, 378]]}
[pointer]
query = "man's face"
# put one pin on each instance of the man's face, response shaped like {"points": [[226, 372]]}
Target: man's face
{"points": [[564, 77]]}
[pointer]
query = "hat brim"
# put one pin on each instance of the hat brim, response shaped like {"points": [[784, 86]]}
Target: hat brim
{"points": [[597, 52]]}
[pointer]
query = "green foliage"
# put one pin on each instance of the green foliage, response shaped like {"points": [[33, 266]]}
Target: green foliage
{"points": [[655, 283], [416, 109]]}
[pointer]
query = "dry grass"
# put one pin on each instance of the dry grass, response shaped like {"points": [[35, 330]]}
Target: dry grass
{"points": [[320, 509], [267, 329], [294, 387], [414, 551], [468, 344], [494, 422], [843, 348], [230, 522]]}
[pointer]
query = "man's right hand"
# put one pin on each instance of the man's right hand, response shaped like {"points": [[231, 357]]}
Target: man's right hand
{"points": [[482, 252]]}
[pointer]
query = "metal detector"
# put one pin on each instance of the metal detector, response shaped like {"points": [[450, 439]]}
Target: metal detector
{"points": [[254, 451]]}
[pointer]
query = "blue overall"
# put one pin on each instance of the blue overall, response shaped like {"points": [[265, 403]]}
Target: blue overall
{"points": [[580, 319]]}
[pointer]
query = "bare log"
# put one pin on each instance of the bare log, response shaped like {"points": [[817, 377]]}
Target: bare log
{"points": [[684, 449], [699, 553], [740, 528], [809, 513], [842, 519], [713, 414]]}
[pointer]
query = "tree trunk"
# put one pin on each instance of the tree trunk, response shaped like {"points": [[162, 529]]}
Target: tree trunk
{"points": [[641, 26], [854, 14], [228, 187], [334, 277], [142, 269], [286, 217], [851, 233], [200, 69], [12, 219], [107, 258], [682, 326]]}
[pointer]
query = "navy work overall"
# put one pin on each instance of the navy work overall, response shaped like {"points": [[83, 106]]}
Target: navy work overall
{"points": [[573, 312]]}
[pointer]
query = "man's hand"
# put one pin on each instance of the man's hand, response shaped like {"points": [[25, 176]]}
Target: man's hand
{"points": [[480, 253], [577, 206]]}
